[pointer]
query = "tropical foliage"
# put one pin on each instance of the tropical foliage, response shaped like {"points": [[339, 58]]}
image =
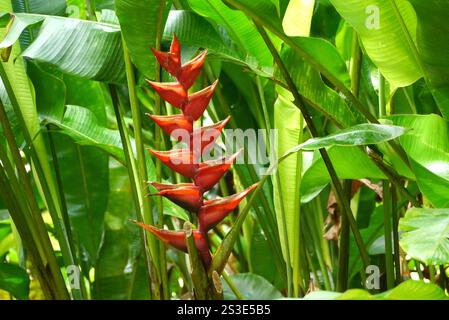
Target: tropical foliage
{"points": [[344, 198]]}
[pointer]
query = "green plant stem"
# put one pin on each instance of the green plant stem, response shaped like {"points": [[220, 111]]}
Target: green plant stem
{"points": [[396, 249], [158, 138], [153, 277], [142, 172], [199, 276], [18, 215], [34, 226], [288, 260], [268, 225], [63, 202], [45, 178], [432, 273], [232, 286], [388, 230], [343, 204], [356, 65], [343, 253], [90, 8], [382, 95]]}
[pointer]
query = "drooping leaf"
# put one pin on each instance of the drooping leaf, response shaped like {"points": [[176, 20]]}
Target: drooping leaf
{"points": [[81, 125], [362, 134], [68, 45], [426, 235], [310, 84]]}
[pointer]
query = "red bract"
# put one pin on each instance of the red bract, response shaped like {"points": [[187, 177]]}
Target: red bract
{"points": [[186, 161], [191, 70], [198, 102], [179, 160], [172, 92], [209, 173], [170, 61], [171, 123], [185, 195], [213, 211], [205, 137]]}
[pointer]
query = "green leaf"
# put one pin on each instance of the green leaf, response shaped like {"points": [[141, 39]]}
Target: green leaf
{"points": [[240, 29], [287, 122], [349, 163], [408, 290], [359, 135], [14, 280], [298, 18], [310, 84], [385, 27], [82, 126], [319, 53], [118, 257], [54, 7], [67, 44], [427, 145], [84, 172], [426, 235], [139, 21], [252, 287], [414, 290], [433, 46], [195, 31]]}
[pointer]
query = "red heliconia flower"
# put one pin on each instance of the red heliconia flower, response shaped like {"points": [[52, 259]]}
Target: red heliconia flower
{"points": [[213, 211], [185, 195], [177, 239], [171, 123], [172, 92], [198, 102], [206, 136], [191, 70], [210, 172], [179, 160], [170, 61], [186, 162]]}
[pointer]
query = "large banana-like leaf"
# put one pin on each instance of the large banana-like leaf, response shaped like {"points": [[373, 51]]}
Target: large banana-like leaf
{"points": [[310, 85], [427, 145], [121, 244], [83, 127], [85, 49], [298, 18], [287, 193], [319, 53], [53, 7], [195, 31], [240, 29], [426, 235], [387, 29], [140, 21], [433, 46]]}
